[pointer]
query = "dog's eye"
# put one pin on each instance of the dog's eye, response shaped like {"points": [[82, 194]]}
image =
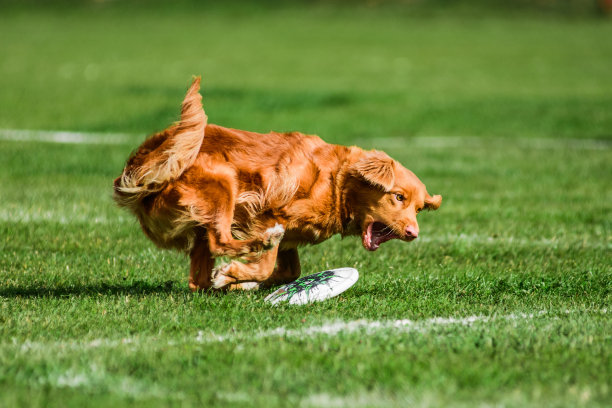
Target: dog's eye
{"points": [[399, 197]]}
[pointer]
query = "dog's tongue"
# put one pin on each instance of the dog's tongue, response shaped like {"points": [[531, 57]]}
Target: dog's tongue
{"points": [[370, 238], [375, 234]]}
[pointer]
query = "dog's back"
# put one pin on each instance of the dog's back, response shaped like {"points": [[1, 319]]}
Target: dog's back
{"points": [[164, 181]]}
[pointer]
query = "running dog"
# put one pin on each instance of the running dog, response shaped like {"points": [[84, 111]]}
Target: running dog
{"points": [[213, 191]]}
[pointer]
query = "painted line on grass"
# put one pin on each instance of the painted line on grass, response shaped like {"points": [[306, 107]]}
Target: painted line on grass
{"points": [[65, 137], [93, 376], [373, 327], [453, 142], [331, 329], [482, 239], [96, 377], [441, 142], [59, 217]]}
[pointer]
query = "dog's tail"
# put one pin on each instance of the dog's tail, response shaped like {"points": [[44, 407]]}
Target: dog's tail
{"points": [[164, 156]]}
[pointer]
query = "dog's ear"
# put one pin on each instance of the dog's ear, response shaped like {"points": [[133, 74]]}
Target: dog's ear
{"points": [[433, 203], [376, 168]]}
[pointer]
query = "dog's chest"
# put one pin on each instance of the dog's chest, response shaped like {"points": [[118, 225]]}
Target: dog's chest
{"points": [[301, 232], [305, 236]]}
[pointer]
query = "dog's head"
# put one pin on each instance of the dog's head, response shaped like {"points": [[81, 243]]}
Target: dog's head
{"points": [[385, 199]]}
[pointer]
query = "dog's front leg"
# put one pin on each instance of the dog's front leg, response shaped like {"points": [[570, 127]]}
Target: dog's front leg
{"points": [[287, 269], [212, 205], [248, 275], [260, 271]]}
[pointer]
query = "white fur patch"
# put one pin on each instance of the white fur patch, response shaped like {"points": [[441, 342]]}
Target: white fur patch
{"points": [[272, 237], [277, 230]]}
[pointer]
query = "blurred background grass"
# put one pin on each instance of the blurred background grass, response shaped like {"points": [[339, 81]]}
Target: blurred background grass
{"points": [[561, 7], [341, 69]]}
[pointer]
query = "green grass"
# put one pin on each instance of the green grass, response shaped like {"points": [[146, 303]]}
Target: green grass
{"points": [[510, 119], [337, 73]]}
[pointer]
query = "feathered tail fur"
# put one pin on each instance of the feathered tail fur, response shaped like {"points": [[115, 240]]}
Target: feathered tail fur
{"points": [[164, 156]]}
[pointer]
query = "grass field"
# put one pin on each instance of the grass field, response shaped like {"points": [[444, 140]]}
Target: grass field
{"points": [[504, 300]]}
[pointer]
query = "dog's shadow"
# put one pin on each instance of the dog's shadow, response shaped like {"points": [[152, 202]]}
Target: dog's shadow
{"points": [[104, 289]]}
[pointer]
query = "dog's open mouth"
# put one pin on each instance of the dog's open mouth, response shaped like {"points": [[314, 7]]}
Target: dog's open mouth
{"points": [[375, 234]]}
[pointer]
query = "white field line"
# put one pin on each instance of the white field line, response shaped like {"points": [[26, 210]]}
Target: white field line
{"points": [[482, 239], [96, 377], [441, 142], [363, 327], [453, 142], [60, 217], [369, 400], [49, 136]]}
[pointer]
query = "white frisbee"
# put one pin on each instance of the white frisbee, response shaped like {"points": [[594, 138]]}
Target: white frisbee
{"points": [[316, 287]]}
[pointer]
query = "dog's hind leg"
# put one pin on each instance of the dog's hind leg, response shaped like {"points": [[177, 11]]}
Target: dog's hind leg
{"points": [[209, 192], [202, 264]]}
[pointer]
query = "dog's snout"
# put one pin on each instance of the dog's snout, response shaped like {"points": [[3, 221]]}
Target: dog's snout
{"points": [[412, 232]]}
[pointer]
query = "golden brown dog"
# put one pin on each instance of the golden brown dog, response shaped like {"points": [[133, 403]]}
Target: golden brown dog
{"points": [[213, 191]]}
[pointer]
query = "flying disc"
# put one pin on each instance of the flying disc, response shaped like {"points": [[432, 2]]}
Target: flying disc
{"points": [[316, 287]]}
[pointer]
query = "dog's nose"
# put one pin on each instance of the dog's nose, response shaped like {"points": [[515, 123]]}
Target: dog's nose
{"points": [[412, 232]]}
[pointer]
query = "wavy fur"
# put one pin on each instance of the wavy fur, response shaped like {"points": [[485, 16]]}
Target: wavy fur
{"points": [[258, 197], [164, 157], [171, 156]]}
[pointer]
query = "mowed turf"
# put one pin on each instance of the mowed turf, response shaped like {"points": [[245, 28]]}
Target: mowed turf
{"points": [[503, 300]]}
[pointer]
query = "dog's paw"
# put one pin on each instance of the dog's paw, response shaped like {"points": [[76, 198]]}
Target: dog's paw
{"points": [[220, 276], [273, 236], [244, 286]]}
